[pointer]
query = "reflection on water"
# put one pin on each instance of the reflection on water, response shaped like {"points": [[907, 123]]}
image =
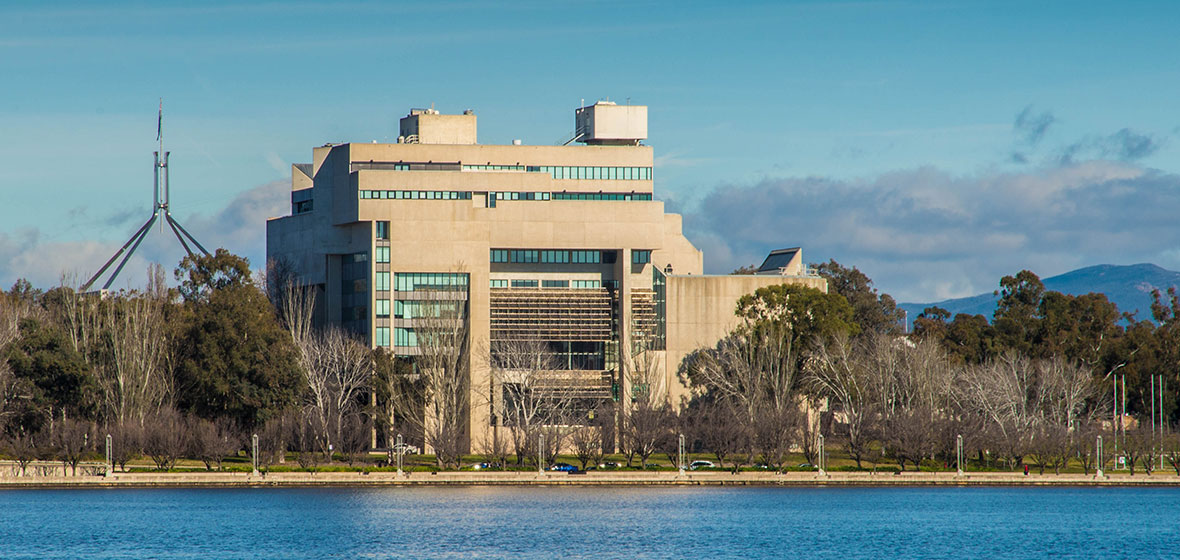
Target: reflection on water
{"points": [[484, 522]]}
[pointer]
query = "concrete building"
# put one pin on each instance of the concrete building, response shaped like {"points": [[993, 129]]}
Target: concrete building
{"points": [[559, 244]]}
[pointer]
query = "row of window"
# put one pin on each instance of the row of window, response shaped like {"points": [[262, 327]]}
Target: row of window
{"points": [[601, 196], [490, 167], [466, 195], [381, 255], [608, 173], [580, 284], [416, 195], [412, 308], [594, 172], [557, 256], [431, 281]]}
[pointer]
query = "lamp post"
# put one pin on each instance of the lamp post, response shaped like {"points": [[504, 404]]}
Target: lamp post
{"points": [[959, 451], [680, 459], [822, 462], [110, 458], [541, 454], [254, 455], [1098, 457], [400, 448]]}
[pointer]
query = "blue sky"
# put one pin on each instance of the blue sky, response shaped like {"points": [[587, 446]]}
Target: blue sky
{"points": [[937, 146]]}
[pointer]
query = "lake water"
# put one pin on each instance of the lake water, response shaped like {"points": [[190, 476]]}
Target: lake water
{"points": [[524, 522]]}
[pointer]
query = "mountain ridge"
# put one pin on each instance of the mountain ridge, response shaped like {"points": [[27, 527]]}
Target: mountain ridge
{"points": [[1128, 286]]}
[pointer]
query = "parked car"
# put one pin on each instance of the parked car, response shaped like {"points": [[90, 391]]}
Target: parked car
{"points": [[481, 466], [563, 467], [700, 465], [609, 465]]}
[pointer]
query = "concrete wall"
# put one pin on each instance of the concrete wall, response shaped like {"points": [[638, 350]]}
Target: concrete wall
{"points": [[700, 312]]}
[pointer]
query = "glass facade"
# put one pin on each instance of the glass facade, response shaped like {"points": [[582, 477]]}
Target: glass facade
{"points": [[354, 293]]}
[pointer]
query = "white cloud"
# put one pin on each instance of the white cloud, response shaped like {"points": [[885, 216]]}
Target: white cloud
{"points": [[924, 234]]}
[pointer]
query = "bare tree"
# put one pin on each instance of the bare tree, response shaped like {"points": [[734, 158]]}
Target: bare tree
{"points": [[126, 442], [587, 445], [26, 447], [71, 442], [354, 437], [274, 439], [337, 368], [721, 430], [165, 437], [137, 381], [837, 370], [534, 397], [775, 433], [648, 417], [212, 442], [1171, 446], [443, 366]]}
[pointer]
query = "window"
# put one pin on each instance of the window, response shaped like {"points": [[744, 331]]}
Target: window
{"points": [[499, 255], [404, 337], [524, 283], [587, 284], [382, 282], [382, 229], [382, 255], [639, 256], [382, 308], [499, 283], [381, 336], [430, 281], [555, 283]]}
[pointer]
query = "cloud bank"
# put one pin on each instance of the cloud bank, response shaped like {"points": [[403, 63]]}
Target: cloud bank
{"points": [[925, 235]]}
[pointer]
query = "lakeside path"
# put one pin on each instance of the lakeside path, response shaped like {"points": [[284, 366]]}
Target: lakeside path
{"points": [[669, 478]]}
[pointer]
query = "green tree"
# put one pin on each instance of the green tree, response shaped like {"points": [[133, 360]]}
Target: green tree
{"points": [[873, 312], [1016, 319], [53, 376], [200, 275], [235, 361]]}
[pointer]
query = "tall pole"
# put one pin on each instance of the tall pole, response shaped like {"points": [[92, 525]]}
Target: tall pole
{"points": [[680, 459], [254, 454], [821, 455], [110, 457], [1098, 456], [401, 448], [1114, 412], [541, 454], [959, 449]]}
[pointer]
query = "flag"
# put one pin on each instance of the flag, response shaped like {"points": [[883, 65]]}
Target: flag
{"points": [[160, 119]]}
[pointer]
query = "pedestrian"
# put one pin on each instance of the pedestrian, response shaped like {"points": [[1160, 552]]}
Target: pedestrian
{"points": [[1026, 469]]}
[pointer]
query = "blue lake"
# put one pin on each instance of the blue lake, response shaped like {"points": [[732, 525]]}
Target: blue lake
{"points": [[482, 522]]}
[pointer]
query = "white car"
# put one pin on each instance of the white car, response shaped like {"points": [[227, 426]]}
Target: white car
{"points": [[700, 465]]}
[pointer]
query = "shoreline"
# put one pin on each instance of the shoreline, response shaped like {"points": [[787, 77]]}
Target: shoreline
{"points": [[649, 479]]}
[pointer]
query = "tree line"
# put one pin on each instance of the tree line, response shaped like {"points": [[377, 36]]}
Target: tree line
{"points": [[180, 372], [1036, 383]]}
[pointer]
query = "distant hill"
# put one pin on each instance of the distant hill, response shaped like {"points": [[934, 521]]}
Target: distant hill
{"points": [[1129, 287]]}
